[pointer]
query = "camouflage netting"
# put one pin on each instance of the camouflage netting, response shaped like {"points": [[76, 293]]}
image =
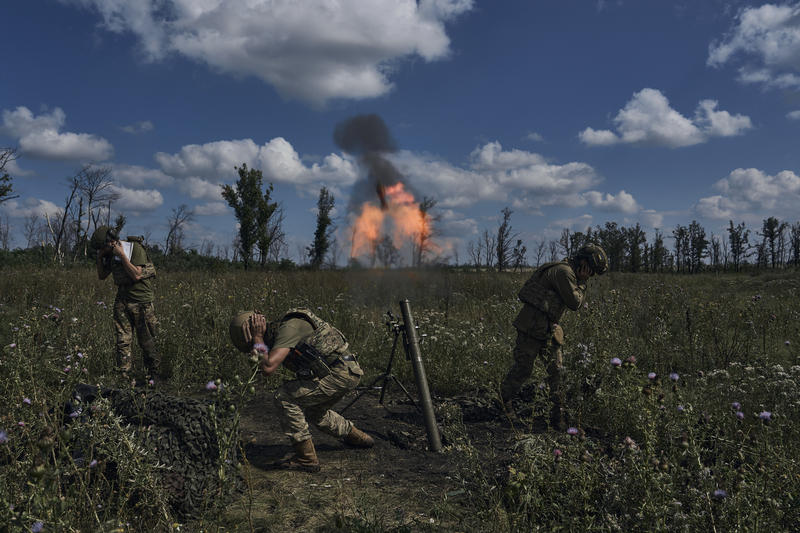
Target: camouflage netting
{"points": [[180, 434]]}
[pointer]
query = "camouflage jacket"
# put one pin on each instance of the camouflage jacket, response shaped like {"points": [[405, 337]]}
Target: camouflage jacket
{"points": [[547, 294], [326, 339]]}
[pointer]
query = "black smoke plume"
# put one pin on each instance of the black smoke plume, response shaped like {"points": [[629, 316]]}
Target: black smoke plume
{"points": [[368, 137]]}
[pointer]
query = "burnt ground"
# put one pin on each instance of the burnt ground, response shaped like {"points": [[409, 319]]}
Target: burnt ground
{"points": [[398, 485]]}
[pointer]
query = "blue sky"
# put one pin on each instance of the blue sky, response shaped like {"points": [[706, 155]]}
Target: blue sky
{"points": [[572, 112]]}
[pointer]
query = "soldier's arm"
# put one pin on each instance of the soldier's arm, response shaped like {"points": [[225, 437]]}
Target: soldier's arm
{"points": [[271, 361], [570, 290], [134, 272]]}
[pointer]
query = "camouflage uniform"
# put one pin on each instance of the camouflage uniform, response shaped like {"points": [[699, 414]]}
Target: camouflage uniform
{"points": [[308, 398], [546, 295], [134, 311]]}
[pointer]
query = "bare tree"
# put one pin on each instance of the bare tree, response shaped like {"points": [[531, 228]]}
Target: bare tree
{"points": [[31, 229], [422, 241], [541, 245], [488, 244], [554, 248], [176, 223], [475, 252], [7, 155], [387, 253], [94, 184]]}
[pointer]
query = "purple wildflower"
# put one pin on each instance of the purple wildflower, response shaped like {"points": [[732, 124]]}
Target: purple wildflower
{"points": [[765, 415], [739, 415], [651, 375], [21, 424], [75, 414], [151, 382], [3, 437], [720, 494], [211, 386], [616, 361], [26, 401], [93, 463], [557, 453], [674, 376], [80, 355], [572, 431], [680, 409], [736, 405], [67, 369], [12, 345], [37, 526], [787, 343]]}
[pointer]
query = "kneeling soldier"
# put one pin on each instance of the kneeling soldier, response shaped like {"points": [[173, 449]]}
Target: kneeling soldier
{"points": [[325, 371]]}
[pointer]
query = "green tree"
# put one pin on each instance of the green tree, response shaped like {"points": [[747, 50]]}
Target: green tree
{"points": [[322, 235], [505, 236], [738, 237], [249, 206], [698, 245], [269, 219], [772, 232]]}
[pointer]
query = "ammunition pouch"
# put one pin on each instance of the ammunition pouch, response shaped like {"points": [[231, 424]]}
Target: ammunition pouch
{"points": [[308, 363]]}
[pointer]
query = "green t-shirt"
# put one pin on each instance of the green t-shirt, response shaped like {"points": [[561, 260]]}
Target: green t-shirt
{"points": [[290, 332], [134, 292]]}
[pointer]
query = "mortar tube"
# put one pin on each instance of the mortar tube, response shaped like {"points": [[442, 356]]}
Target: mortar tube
{"points": [[434, 440]]}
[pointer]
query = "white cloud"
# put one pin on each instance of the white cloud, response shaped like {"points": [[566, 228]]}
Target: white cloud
{"points": [[752, 192], [793, 115], [621, 203], [313, 50], [648, 119], [211, 209], [28, 207], [137, 200], [652, 218], [197, 166], [535, 137], [137, 176], [765, 42], [39, 137], [138, 127], [199, 188]]}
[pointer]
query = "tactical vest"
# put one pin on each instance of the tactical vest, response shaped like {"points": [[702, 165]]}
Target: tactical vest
{"points": [[326, 339], [546, 300]]}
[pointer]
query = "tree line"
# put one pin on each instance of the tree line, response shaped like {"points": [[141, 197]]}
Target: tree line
{"points": [[63, 236], [776, 244]]}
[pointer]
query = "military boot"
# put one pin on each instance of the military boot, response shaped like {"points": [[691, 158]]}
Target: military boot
{"points": [[304, 458], [359, 439]]}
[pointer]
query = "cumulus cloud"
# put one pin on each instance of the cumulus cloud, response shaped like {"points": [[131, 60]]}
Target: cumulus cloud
{"points": [[534, 136], [765, 43], [211, 209], [313, 50], [201, 167], [652, 218], [526, 179], [620, 203], [137, 176], [137, 200], [39, 137], [648, 119], [752, 191], [28, 207], [793, 115], [138, 127]]}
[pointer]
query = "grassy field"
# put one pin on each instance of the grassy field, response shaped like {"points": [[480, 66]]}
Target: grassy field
{"points": [[683, 391]]}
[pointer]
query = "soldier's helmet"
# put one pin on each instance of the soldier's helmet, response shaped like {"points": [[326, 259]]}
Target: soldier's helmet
{"points": [[595, 256], [235, 331], [101, 235]]}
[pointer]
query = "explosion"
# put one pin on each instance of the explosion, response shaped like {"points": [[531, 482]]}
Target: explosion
{"points": [[398, 214]]}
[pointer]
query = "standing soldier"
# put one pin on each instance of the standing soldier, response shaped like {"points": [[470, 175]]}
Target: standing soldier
{"points": [[546, 295], [325, 371], [133, 274]]}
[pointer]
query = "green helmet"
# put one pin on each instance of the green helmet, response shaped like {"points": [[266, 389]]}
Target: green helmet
{"points": [[595, 256], [235, 330], [101, 235]]}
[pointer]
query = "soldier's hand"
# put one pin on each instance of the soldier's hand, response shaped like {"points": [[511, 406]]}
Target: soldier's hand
{"points": [[248, 336], [117, 249], [259, 325]]}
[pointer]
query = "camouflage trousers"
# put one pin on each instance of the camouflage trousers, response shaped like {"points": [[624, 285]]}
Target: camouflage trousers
{"points": [[526, 350], [140, 318], [301, 401]]}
